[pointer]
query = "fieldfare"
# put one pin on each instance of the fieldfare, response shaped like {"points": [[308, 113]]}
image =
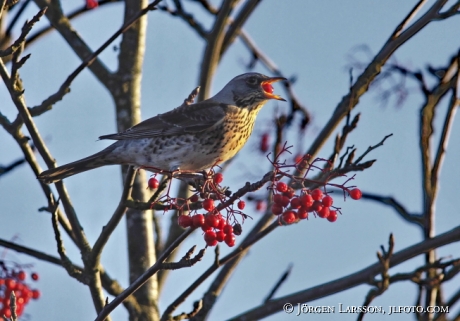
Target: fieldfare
{"points": [[189, 138]]}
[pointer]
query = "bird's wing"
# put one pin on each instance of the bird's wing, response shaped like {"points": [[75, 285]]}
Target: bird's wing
{"points": [[184, 119]]}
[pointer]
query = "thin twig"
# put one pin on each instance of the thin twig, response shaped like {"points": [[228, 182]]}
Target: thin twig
{"points": [[235, 27], [371, 148], [90, 58], [278, 284], [450, 115], [25, 31], [397, 206], [213, 48], [142, 279], [115, 218], [251, 238]]}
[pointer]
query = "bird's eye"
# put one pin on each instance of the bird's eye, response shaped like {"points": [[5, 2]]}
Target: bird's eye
{"points": [[252, 81]]}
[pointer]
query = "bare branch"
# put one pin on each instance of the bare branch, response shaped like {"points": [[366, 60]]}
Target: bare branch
{"points": [[236, 25], [278, 284], [186, 261], [77, 12], [187, 17], [230, 261], [65, 261], [408, 18], [115, 218], [372, 70], [25, 31], [382, 285], [197, 306], [450, 115], [398, 207], [452, 11], [352, 280], [371, 148], [142, 279], [89, 59], [31, 252], [214, 43]]}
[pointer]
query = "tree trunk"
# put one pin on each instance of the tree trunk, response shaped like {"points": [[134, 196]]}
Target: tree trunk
{"points": [[126, 92]]}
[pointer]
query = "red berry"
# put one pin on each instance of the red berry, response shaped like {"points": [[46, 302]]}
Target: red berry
{"points": [[298, 159], [91, 4], [289, 193], [210, 238], [264, 143], [228, 229], [289, 217], [277, 209], [153, 183], [317, 206], [34, 276], [35, 294], [278, 199], [356, 193], [183, 221], [260, 205], [222, 223], [218, 178], [2, 282], [332, 216], [327, 201], [7, 312], [295, 203], [220, 236], [10, 284], [208, 204], [230, 239], [241, 205], [306, 200], [281, 187], [324, 212], [21, 275], [205, 227], [267, 88], [198, 220], [285, 201], [194, 198], [317, 194], [211, 220], [302, 213]]}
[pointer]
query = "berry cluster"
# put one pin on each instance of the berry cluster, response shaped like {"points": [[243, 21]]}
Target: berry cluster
{"points": [[292, 208], [215, 227], [12, 280], [220, 224]]}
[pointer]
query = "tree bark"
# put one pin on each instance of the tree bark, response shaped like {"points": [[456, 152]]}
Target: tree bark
{"points": [[126, 91]]}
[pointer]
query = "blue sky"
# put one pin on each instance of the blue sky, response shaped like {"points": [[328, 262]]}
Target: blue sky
{"points": [[309, 39]]}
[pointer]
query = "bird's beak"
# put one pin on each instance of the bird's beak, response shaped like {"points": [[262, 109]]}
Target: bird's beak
{"points": [[268, 88]]}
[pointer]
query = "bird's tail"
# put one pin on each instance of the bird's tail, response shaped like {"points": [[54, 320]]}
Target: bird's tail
{"points": [[56, 174]]}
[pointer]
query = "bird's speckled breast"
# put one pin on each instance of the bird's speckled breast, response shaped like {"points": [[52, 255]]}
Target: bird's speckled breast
{"points": [[195, 151]]}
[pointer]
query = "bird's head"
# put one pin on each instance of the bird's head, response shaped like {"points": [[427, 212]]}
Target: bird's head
{"points": [[250, 89]]}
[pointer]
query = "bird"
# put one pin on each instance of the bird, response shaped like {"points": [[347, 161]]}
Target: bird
{"points": [[190, 138]]}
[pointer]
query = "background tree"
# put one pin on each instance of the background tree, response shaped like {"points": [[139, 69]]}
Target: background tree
{"points": [[177, 59]]}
